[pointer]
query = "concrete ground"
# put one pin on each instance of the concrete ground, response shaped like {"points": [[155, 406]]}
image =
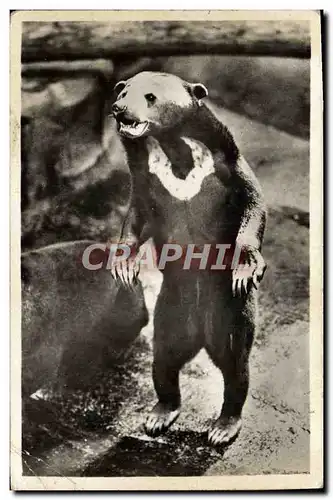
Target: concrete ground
{"points": [[99, 433]]}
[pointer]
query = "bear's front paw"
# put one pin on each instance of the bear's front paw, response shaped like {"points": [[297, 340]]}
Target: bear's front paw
{"points": [[244, 276], [126, 271]]}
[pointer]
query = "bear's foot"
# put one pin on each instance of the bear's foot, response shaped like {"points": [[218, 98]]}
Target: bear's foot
{"points": [[224, 430], [160, 419]]}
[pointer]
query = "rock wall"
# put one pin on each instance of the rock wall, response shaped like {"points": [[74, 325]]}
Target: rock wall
{"points": [[75, 181], [272, 90]]}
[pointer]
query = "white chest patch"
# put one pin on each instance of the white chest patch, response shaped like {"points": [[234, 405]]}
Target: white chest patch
{"points": [[160, 165]]}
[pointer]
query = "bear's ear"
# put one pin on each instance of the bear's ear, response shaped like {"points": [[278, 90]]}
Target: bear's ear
{"points": [[198, 90], [119, 86]]}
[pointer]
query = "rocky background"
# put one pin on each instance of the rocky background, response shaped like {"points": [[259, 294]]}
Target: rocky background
{"points": [[75, 185]]}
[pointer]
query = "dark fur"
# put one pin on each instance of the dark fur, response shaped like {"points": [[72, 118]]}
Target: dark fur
{"points": [[196, 309]]}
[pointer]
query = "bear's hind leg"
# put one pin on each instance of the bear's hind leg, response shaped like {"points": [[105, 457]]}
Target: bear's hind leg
{"points": [[167, 409], [232, 358], [176, 341]]}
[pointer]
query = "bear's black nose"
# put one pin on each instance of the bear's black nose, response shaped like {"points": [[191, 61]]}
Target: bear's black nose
{"points": [[117, 108]]}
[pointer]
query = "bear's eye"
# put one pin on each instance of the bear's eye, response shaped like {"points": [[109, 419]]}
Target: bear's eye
{"points": [[150, 98]]}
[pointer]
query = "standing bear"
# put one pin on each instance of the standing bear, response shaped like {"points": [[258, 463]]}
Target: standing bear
{"points": [[191, 186]]}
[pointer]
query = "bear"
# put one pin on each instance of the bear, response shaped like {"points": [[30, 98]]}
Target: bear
{"points": [[192, 186]]}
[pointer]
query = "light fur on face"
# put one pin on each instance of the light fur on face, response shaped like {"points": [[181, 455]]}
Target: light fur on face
{"points": [[172, 99]]}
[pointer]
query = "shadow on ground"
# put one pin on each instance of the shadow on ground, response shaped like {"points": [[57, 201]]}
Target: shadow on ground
{"points": [[175, 457], [51, 418]]}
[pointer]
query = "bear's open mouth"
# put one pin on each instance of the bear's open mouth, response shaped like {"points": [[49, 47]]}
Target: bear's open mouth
{"points": [[131, 128]]}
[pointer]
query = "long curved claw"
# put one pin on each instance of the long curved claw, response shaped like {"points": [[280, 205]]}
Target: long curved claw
{"points": [[116, 275], [239, 287], [234, 286], [133, 273], [131, 276], [127, 274], [246, 285], [122, 276]]}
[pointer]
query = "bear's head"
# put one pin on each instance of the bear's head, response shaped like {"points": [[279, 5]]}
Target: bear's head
{"points": [[149, 103]]}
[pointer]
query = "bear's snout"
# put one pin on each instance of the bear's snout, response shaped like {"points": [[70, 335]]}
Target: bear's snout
{"points": [[118, 108]]}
